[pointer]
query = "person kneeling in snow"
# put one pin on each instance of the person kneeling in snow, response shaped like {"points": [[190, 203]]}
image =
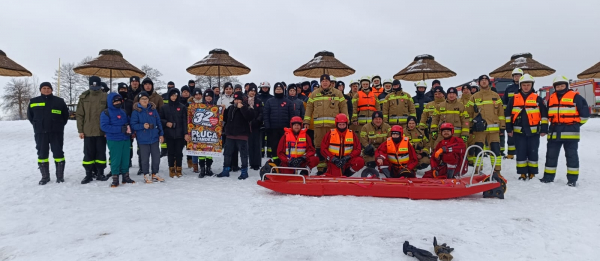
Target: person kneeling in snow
{"points": [[341, 147], [295, 148], [447, 156], [396, 157]]}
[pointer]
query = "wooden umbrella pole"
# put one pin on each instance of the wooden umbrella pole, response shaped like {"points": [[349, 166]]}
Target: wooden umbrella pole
{"points": [[219, 77], [110, 88]]}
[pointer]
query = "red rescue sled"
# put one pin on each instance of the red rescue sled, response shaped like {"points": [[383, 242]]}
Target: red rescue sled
{"points": [[413, 188]]}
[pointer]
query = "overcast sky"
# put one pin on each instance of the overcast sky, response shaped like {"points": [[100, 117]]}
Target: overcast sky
{"points": [[274, 38]]}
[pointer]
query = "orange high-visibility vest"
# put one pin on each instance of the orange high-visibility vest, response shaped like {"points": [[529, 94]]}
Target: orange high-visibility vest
{"points": [[399, 155], [336, 142], [295, 147], [366, 102], [531, 108], [563, 111]]}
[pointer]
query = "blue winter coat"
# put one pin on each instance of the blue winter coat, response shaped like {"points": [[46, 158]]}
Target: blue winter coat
{"points": [[143, 115], [298, 106], [277, 113], [112, 120]]}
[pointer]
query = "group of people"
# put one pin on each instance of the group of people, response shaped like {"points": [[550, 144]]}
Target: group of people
{"points": [[317, 125]]}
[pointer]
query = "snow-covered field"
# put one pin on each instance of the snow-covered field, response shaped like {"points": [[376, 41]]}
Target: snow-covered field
{"points": [[228, 219]]}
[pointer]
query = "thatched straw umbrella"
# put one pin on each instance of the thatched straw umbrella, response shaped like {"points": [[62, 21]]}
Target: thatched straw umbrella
{"points": [[324, 62], [9, 67], [424, 67], [525, 62], [592, 72], [218, 63], [110, 64]]}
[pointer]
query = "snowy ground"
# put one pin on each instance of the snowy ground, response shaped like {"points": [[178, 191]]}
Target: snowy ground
{"points": [[227, 219]]}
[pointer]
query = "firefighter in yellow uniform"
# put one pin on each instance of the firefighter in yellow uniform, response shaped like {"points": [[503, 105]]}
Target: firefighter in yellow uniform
{"points": [[354, 87], [427, 116], [371, 136], [451, 111], [487, 113], [398, 105], [323, 105], [364, 103], [419, 141]]}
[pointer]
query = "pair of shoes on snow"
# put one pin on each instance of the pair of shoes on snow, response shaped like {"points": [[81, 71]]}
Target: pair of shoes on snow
{"points": [[152, 178], [226, 170], [526, 177]]}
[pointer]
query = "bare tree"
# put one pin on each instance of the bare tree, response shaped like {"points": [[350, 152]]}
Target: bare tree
{"points": [[154, 75], [211, 81], [70, 83], [15, 99]]}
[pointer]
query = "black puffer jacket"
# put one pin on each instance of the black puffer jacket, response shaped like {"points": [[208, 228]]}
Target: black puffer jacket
{"points": [[420, 100], [176, 113], [264, 96], [238, 120], [278, 112], [257, 121], [48, 113]]}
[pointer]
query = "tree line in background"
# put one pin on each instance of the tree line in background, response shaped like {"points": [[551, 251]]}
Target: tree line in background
{"points": [[18, 91]]}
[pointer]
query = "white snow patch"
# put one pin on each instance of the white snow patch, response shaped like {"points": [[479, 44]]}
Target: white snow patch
{"points": [[228, 219], [315, 60], [519, 60], [418, 66]]}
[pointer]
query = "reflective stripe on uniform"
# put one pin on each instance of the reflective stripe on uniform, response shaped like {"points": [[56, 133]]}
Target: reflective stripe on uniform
{"points": [[100, 161], [573, 171], [551, 170], [43, 160], [39, 104], [532, 164], [88, 162], [521, 164], [56, 112], [59, 160]]}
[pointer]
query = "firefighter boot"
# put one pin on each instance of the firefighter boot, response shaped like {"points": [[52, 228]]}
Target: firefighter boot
{"points": [[45, 171], [523, 177], [60, 171], [88, 177], [209, 171], [547, 178], [571, 180]]}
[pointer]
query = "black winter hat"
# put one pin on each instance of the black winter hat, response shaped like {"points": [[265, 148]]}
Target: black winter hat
{"points": [[305, 83], [142, 94], [292, 86], [185, 88], [104, 86], [338, 83], [278, 85], [412, 118], [452, 90], [197, 91], [313, 82], [238, 96], [237, 86], [215, 87], [171, 83], [46, 84], [396, 82], [95, 81], [227, 84], [325, 76], [134, 78], [148, 80], [173, 91], [121, 85], [482, 77], [465, 86], [253, 87], [284, 84], [438, 89], [210, 93], [435, 81], [191, 81], [377, 114]]}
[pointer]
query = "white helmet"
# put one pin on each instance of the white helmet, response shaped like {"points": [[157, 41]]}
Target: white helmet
{"points": [[421, 84], [560, 80], [365, 78], [333, 79], [353, 82], [517, 71], [526, 78], [265, 84], [390, 81]]}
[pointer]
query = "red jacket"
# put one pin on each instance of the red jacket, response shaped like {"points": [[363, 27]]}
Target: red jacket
{"points": [[310, 149], [412, 155], [456, 151], [325, 145]]}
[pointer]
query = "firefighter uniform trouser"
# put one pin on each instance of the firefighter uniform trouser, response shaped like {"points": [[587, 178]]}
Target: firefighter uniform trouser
{"points": [[527, 153], [46, 141], [94, 153], [311, 162], [493, 139], [512, 149], [355, 164], [552, 153]]}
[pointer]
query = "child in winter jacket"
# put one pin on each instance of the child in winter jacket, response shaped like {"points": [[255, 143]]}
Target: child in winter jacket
{"points": [[174, 120], [146, 123], [115, 124]]}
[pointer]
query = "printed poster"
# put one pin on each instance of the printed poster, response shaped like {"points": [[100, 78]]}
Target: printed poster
{"points": [[205, 124]]}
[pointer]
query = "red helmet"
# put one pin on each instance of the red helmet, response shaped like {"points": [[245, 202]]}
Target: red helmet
{"points": [[447, 126], [295, 119], [397, 128], [341, 118]]}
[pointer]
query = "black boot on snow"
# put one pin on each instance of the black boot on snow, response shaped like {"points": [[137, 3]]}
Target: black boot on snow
{"points": [[571, 180], [60, 172], [209, 171], [127, 179], [45, 171], [202, 172], [109, 175], [235, 169], [100, 176], [115, 182], [140, 171], [547, 178], [88, 177]]}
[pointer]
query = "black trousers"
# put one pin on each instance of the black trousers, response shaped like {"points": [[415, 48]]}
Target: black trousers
{"points": [[231, 146], [264, 144], [273, 137], [94, 153], [254, 148], [552, 153], [46, 141], [234, 156], [527, 153], [175, 151], [504, 139]]}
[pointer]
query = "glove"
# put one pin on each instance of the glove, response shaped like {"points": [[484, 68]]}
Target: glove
{"points": [[443, 251], [369, 150], [404, 172], [439, 152], [465, 139], [345, 160], [151, 125], [296, 162], [434, 135], [420, 254], [337, 161]]}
